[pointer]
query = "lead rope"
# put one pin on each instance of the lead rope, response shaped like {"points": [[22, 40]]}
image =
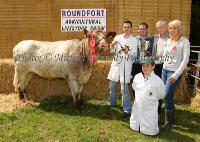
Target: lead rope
{"points": [[124, 65]]}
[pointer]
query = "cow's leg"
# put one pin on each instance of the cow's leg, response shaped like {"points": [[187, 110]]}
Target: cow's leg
{"points": [[80, 96], [27, 79], [18, 82], [21, 79], [74, 88]]}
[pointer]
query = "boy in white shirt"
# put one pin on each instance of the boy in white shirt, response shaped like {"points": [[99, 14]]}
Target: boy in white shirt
{"points": [[149, 88]]}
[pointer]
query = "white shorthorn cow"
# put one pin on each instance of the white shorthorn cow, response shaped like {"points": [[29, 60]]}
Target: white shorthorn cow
{"points": [[69, 59]]}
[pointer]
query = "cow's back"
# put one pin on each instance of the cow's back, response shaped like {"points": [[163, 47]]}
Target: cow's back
{"points": [[48, 59]]}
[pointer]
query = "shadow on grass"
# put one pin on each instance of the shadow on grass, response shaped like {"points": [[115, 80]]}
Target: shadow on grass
{"points": [[185, 121], [174, 136], [93, 108]]}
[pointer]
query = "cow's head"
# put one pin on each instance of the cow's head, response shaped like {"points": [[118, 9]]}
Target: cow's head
{"points": [[103, 40]]}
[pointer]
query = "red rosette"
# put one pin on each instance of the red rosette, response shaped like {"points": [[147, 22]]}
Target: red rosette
{"points": [[174, 48], [92, 45]]}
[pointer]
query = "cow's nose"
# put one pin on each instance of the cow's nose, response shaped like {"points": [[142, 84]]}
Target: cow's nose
{"points": [[105, 46]]}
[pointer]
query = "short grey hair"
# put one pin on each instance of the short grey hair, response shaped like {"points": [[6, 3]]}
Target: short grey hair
{"points": [[161, 22]]}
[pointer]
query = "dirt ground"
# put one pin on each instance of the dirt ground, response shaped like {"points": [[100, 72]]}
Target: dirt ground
{"points": [[11, 102]]}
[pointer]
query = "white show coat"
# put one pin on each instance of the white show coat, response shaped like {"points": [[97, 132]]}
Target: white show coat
{"points": [[122, 60], [144, 116]]}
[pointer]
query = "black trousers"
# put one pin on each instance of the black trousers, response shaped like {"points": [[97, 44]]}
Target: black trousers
{"points": [[158, 71], [136, 68]]}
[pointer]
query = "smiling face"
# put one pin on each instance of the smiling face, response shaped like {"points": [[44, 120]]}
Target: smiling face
{"points": [[127, 29], [161, 28], [174, 31], [147, 69], [142, 30]]}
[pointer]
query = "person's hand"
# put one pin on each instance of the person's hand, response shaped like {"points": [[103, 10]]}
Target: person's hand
{"points": [[126, 49], [113, 43], [172, 80]]}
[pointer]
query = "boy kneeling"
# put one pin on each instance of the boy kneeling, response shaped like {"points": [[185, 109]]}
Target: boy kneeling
{"points": [[149, 88]]}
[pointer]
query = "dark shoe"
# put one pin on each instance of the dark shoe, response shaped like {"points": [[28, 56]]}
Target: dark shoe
{"points": [[159, 106], [167, 127], [169, 118], [159, 110], [112, 105], [126, 115]]}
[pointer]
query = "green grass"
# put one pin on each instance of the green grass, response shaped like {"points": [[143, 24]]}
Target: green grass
{"points": [[54, 120]]}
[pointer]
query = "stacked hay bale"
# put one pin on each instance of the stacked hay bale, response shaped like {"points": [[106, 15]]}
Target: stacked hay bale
{"points": [[183, 94], [6, 76], [96, 88], [39, 88], [196, 100]]}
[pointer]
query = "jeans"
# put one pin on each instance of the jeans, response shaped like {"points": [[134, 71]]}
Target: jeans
{"points": [[126, 102], [170, 88]]}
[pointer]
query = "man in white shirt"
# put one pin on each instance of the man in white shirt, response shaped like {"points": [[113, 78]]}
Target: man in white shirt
{"points": [[160, 41], [125, 47]]}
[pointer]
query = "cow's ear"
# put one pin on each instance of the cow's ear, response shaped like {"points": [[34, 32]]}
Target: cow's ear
{"points": [[111, 34]]}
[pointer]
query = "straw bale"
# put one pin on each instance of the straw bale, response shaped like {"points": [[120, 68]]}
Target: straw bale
{"points": [[182, 93], [39, 88], [6, 75], [11, 103], [96, 88], [196, 100]]}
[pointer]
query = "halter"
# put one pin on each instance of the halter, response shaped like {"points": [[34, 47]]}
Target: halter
{"points": [[99, 41], [122, 47]]}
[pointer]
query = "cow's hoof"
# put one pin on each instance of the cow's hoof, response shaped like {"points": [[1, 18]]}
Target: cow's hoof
{"points": [[23, 100], [83, 105], [78, 111], [21, 96]]}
